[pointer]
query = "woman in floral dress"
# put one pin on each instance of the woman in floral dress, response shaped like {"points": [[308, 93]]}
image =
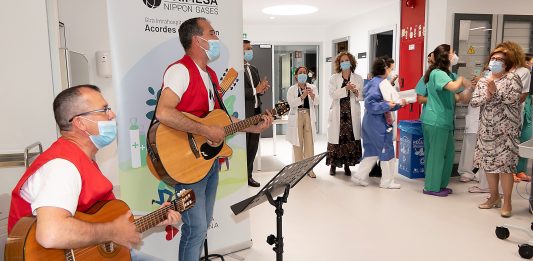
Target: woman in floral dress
{"points": [[498, 96]]}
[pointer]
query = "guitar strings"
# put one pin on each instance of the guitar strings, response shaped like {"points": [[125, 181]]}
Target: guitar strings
{"points": [[153, 219]]}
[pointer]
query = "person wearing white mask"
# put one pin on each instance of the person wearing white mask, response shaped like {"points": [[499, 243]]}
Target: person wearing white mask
{"points": [[302, 98], [344, 122], [438, 120], [254, 88], [191, 86], [377, 140]]}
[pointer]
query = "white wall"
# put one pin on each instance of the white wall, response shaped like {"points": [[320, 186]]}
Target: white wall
{"points": [[87, 32], [26, 82]]}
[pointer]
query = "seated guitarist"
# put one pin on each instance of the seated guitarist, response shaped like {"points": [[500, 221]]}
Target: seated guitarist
{"points": [[188, 87], [65, 178]]}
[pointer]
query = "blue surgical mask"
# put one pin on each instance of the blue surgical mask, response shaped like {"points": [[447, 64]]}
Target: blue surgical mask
{"points": [[302, 77], [214, 49], [496, 66], [107, 132], [248, 55], [346, 65]]}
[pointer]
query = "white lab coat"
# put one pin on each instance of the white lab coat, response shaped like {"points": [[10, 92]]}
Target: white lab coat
{"points": [[336, 93], [295, 101]]}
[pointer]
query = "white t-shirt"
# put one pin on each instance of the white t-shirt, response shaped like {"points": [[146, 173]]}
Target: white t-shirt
{"points": [[177, 79], [388, 91], [55, 184], [525, 76]]}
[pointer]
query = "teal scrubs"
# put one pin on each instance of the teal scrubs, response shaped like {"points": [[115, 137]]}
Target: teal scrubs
{"points": [[438, 128]]}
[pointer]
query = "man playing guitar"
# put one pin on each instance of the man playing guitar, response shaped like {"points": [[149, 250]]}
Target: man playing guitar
{"points": [[65, 178], [188, 87]]}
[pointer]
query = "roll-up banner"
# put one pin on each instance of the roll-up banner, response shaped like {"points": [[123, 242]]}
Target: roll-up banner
{"points": [[144, 41]]}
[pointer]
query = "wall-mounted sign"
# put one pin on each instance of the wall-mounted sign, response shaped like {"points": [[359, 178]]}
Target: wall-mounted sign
{"points": [[329, 59], [361, 55]]}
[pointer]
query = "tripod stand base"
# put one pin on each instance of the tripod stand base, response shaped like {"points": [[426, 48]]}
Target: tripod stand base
{"points": [[210, 257]]}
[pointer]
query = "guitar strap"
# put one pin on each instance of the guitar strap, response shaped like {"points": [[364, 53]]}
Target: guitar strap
{"points": [[219, 99]]}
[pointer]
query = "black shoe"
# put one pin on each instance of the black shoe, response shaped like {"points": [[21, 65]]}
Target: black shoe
{"points": [[332, 170], [347, 171], [253, 183]]}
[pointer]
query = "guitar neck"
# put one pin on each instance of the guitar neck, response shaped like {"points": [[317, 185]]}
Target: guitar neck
{"points": [[241, 125], [152, 219]]}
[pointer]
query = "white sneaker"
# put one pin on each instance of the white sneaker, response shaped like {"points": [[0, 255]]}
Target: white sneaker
{"points": [[359, 181], [391, 185], [465, 178]]}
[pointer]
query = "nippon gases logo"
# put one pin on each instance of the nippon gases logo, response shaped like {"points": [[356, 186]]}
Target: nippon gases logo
{"points": [[203, 7]]}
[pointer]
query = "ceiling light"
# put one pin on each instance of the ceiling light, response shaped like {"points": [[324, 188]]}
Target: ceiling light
{"points": [[290, 10], [272, 17]]}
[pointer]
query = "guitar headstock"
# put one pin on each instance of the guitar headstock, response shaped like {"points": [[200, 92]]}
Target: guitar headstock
{"points": [[281, 108], [184, 200], [229, 79]]}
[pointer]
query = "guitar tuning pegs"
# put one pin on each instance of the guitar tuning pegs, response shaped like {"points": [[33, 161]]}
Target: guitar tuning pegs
{"points": [[226, 69]]}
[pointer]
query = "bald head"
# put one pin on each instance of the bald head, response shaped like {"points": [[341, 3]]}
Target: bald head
{"points": [[71, 102]]}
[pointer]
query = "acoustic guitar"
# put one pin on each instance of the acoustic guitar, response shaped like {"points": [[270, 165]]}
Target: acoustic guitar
{"points": [[22, 244], [179, 157]]}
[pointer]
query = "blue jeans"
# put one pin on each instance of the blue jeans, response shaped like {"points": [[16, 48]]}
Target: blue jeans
{"points": [[197, 219]]}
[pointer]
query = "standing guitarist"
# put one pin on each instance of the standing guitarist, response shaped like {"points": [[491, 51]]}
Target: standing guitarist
{"points": [[188, 87], [65, 178]]}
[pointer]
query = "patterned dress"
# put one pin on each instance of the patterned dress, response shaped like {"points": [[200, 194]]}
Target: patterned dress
{"points": [[348, 151], [499, 125]]}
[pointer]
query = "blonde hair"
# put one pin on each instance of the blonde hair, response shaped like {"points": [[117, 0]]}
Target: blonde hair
{"points": [[515, 53]]}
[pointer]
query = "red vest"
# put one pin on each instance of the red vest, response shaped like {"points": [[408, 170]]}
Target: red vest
{"points": [[95, 186], [194, 100]]}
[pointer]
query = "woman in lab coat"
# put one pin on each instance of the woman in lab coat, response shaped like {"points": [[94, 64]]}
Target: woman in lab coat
{"points": [[344, 129], [302, 98], [377, 138]]}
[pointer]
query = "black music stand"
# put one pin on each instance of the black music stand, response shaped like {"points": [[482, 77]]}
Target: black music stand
{"points": [[286, 179]]}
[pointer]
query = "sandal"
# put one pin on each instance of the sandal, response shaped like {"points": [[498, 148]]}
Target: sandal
{"points": [[476, 189]]}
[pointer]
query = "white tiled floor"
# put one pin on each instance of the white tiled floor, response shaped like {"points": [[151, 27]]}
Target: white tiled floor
{"points": [[328, 218]]}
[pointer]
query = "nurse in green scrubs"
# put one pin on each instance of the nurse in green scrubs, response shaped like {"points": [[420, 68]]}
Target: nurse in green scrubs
{"points": [[438, 119]]}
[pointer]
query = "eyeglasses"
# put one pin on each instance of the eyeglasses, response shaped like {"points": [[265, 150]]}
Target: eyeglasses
{"points": [[497, 59], [106, 109]]}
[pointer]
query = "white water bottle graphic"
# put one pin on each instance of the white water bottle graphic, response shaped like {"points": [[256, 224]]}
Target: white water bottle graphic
{"points": [[135, 145], [142, 139]]}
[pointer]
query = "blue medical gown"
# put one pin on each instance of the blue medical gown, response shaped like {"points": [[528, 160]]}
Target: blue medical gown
{"points": [[376, 140]]}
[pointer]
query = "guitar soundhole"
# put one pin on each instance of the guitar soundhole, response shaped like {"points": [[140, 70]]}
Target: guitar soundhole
{"points": [[209, 152]]}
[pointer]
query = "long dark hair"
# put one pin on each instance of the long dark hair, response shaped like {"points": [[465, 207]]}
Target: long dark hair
{"points": [[441, 60]]}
